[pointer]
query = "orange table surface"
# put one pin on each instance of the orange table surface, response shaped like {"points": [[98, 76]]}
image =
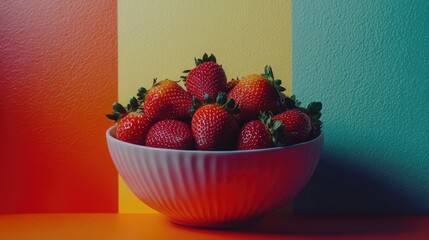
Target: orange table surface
{"points": [[155, 226]]}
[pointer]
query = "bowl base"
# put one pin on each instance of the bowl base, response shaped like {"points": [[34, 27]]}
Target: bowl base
{"points": [[219, 226]]}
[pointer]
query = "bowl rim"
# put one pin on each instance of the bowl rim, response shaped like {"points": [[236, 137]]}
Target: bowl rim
{"points": [[110, 137]]}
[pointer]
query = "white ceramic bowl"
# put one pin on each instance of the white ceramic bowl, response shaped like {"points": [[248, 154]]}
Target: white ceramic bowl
{"points": [[215, 188]]}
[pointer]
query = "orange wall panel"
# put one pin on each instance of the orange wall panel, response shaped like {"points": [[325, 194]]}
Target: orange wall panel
{"points": [[58, 76]]}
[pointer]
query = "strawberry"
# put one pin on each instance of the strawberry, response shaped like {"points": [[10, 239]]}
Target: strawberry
{"points": [[256, 93], [172, 134], [132, 125], [213, 126], [166, 100], [297, 125], [261, 133], [313, 111], [207, 77]]}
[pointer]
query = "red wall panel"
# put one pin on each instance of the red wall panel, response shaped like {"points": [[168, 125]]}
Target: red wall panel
{"points": [[58, 76]]}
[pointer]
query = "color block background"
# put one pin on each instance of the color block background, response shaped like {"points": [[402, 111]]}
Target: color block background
{"points": [[62, 64], [368, 61], [161, 38], [58, 76]]}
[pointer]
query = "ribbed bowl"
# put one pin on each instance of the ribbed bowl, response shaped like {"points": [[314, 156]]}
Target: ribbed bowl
{"points": [[215, 189]]}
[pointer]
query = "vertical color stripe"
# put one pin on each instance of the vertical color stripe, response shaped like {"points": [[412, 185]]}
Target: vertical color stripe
{"points": [[368, 62], [58, 76], [161, 38]]}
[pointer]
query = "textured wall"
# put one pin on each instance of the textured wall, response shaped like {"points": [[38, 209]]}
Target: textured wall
{"points": [[58, 76], [161, 38], [368, 61]]}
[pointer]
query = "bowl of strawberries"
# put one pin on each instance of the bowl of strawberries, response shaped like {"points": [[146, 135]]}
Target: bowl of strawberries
{"points": [[215, 154]]}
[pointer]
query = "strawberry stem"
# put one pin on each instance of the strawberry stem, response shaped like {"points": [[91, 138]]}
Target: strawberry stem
{"points": [[205, 58], [221, 99], [276, 129], [269, 75], [119, 111]]}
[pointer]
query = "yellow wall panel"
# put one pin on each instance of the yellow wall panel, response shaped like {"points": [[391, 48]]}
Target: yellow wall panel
{"points": [[161, 38]]}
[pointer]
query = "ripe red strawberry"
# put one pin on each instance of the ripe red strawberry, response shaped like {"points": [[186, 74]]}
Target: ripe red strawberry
{"points": [[166, 100], [256, 93], [261, 133], [132, 125], [297, 125], [213, 126], [171, 134], [254, 135], [207, 77]]}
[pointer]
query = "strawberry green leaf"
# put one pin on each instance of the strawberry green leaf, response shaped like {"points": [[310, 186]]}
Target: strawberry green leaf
{"points": [[141, 94], [207, 98], [315, 107], [316, 116], [114, 116], [134, 104], [270, 72], [276, 129], [212, 58], [266, 70], [221, 98], [281, 89], [154, 81], [195, 100], [295, 100], [117, 107], [277, 124], [230, 104], [276, 83], [111, 116], [205, 58], [270, 122], [195, 106], [236, 109]]}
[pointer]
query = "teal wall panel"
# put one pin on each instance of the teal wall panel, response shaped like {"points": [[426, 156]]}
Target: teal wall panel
{"points": [[368, 62]]}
